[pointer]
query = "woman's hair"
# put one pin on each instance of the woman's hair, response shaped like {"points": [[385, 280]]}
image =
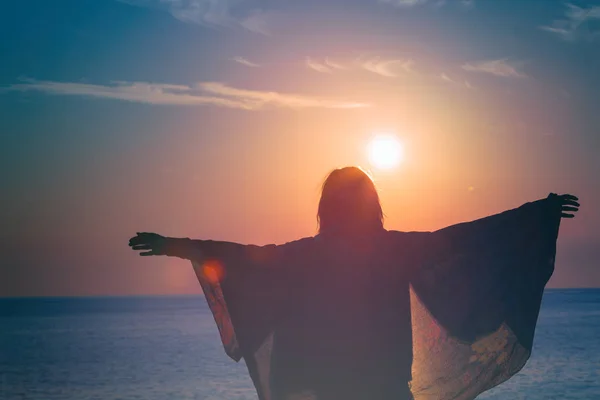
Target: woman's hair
{"points": [[349, 203]]}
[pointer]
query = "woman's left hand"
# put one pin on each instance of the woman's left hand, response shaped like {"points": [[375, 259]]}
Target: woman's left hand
{"points": [[568, 205]]}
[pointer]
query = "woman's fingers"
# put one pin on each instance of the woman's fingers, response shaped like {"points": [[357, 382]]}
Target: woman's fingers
{"points": [[137, 240], [570, 203], [142, 247], [565, 208], [569, 197], [147, 253]]}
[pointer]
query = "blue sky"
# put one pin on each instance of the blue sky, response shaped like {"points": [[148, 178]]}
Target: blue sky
{"points": [[118, 116]]}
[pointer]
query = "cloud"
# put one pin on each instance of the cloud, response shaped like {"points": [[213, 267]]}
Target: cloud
{"points": [[317, 66], [333, 64], [495, 67], [413, 3], [447, 79], [564, 33], [140, 92], [278, 99], [203, 93], [258, 22], [574, 24], [326, 66], [387, 68], [404, 3], [245, 61], [211, 13]]}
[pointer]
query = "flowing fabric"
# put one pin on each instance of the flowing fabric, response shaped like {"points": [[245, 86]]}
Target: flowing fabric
{"points": [[449, 313]]}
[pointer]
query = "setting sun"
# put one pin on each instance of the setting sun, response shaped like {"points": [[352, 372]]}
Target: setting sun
{"points": [[385, 151]]}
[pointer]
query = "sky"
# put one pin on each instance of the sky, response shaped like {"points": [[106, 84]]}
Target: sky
{"points": [[220, 119]]}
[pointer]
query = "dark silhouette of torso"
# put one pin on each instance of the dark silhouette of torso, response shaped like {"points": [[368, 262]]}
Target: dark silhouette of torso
{"points": [[348, 329]]}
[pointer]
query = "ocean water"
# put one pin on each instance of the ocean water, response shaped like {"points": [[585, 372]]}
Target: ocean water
{"points": [[168, 348]]}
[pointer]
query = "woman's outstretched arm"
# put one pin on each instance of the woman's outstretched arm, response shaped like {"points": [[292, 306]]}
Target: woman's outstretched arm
{"points": [[153, 244], [478, 290], [231, 254], [248, 288]]}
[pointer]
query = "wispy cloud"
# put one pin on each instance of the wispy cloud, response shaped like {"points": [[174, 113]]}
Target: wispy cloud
{"points": [[326, 66], [279, 99], [245, 61], [317, 66], [404, 3], [258, 22], [574, 25], [500, 67], [387, 68], [333, 64], [447, 79], [203, 93], [435, 3], [210, 13]]}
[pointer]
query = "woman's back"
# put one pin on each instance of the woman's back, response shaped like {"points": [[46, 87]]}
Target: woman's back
{"points": [[347, 331]]}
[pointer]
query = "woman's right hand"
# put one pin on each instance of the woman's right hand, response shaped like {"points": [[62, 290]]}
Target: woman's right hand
{"points": [[154, 243]]}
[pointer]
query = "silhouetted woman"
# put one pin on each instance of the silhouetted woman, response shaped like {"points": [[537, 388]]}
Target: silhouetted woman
{"points": [[332, 317]]}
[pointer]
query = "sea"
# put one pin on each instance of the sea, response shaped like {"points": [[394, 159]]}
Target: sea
{"points": [[168, 348]]}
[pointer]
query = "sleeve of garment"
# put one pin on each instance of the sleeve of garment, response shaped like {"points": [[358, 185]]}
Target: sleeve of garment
{"points": [[476, 296], [245, 286]]}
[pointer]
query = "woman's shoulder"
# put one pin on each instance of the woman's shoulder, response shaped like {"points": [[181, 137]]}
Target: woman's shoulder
{"points": [[406, 235], [300, 244]]}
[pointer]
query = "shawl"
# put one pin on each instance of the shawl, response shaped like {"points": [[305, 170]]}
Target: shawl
{"points": [[469, 295]]}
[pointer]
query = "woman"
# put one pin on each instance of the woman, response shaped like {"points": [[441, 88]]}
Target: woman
{"points": [[329, 317]]}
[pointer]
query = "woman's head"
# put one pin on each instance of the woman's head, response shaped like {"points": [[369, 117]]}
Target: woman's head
{"points": [[349, 203]]}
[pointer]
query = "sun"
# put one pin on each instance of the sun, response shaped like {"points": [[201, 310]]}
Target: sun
{"points": [[385, 151]]}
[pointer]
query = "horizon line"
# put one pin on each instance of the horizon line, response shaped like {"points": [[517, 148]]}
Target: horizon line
{"points": [[197, 295]]}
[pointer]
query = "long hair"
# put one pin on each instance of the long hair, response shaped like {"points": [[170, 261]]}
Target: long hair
{"points": [[349, 204]]}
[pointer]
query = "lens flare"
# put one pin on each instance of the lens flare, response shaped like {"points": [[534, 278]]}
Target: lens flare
{"points": [[213, 271]]}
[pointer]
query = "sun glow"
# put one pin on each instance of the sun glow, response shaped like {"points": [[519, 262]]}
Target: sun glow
{"points": [[385, 151]]}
